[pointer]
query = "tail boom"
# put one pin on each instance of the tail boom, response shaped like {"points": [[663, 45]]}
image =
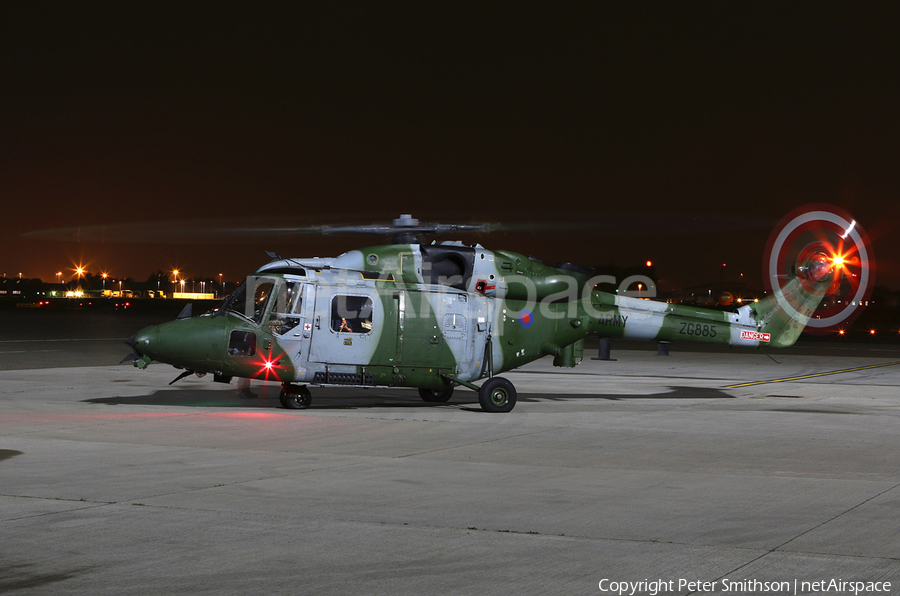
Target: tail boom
{"points": [[776, 320]]}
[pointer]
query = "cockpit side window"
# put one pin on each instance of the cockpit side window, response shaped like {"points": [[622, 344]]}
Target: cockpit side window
{"points": [[286, 311], [294, 297], [252, 298], [351, 314], [261, 296]]}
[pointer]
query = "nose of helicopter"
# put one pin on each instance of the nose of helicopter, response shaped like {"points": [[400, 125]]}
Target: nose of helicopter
{"points": [[146, 341], [192, 343]]}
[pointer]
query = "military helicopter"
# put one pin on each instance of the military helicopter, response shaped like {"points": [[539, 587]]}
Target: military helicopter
{"points": [[445, 315]]}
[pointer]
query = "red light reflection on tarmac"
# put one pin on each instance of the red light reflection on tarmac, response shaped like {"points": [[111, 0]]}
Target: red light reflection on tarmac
{"points": [[41, 420], [249, 415]]}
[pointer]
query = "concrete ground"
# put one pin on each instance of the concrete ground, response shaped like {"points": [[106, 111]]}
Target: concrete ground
{"points": [[645, 468]]}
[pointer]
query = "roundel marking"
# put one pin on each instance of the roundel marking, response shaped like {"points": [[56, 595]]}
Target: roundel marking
{"points": [[526, 318]]}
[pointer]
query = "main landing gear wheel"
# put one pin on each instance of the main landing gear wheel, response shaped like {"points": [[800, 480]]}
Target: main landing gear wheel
{"points": [[295, 398], [497, 395], [435, 395]]}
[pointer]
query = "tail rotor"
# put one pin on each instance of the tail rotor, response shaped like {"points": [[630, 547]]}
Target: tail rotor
{"points": [[816, 244]]}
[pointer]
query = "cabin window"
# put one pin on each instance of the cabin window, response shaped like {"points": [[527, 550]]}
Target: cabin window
{"points": [[351, 314]]}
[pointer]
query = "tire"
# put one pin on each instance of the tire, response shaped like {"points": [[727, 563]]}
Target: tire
{"points": [[497, 395], [435, 395], [295, 398]]}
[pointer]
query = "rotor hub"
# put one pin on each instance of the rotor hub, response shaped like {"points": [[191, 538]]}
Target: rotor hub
{"points": [[406, 220], [817, 267]]}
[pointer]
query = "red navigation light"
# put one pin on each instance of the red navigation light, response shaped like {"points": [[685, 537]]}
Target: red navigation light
{"points": [[270, 367]]}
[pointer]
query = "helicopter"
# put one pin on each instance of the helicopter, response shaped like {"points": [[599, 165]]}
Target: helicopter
{"points": [[444, 315]]}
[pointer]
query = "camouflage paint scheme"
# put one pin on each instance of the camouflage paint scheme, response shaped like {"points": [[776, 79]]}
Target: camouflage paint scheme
{"points": [[435, 316]]}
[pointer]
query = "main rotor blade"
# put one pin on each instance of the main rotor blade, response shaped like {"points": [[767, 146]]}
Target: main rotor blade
{"points": [[267, 230], [198, 231]]}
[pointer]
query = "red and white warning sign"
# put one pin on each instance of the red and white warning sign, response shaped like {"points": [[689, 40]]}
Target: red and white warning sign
{"points": [[755, 336]]}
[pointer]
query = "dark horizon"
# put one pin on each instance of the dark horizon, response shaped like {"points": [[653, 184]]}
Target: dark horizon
{"points": [[684, 132]]}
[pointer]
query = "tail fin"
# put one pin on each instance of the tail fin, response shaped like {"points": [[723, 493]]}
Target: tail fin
{"points": [[788, 310]]}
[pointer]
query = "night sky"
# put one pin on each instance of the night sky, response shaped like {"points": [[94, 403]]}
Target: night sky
{"points": [[679, 133]]}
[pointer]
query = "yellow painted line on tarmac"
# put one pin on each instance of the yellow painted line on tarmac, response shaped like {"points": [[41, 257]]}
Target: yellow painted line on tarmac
{"points": [[822, 374]]}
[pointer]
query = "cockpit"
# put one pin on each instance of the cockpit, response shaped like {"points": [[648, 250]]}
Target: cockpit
{"points": [[270, 300]]}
